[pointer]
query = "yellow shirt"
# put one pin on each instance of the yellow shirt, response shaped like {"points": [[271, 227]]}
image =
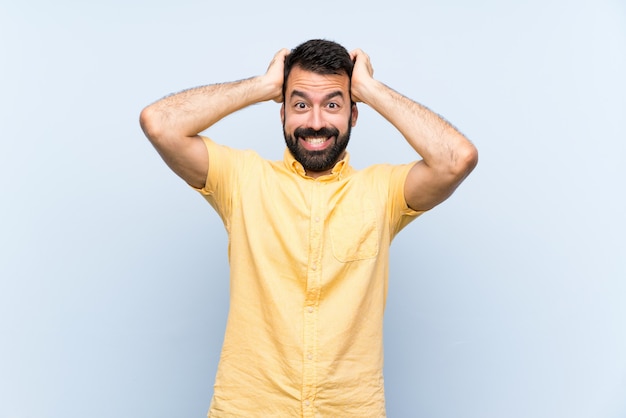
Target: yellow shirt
{"points": [[308, 284]]}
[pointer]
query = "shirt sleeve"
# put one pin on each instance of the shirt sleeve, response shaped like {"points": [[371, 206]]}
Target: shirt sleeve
{"points": [[399, 211], [220, 186]]}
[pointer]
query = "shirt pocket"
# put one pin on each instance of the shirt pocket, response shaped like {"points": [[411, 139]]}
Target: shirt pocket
{"points": [[354, 233]]}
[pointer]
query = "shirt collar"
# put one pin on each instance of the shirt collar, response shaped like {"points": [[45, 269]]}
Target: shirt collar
{"points": [[339, 170]]}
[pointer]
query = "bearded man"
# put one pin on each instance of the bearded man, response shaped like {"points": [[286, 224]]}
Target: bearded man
{"points": [[309, 235]]}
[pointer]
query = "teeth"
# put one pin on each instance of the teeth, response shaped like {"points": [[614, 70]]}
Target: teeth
{"points": [[315, 140]]}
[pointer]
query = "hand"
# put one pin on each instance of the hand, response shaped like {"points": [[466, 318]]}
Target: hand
{"points": [[362, 74], [275, 75]]}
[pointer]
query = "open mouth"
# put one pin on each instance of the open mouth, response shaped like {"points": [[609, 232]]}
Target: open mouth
{"points": [[315, 142]]}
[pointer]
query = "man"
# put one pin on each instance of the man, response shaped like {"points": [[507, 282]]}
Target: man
{"points": [[309, 236]]}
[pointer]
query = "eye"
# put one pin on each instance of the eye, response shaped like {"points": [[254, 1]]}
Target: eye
{"points": [[300, 105]]}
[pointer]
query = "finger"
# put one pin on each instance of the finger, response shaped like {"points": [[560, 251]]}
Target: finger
{"points": [[281, 55], [355, 53], [278, 58]]}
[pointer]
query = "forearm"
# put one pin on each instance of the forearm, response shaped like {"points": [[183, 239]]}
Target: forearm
{"points": [[192, 111], [433, 138]]}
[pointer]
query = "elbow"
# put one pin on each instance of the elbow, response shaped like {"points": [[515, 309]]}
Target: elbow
{"points": [[466, 159], [470, 157], [148, 122]]}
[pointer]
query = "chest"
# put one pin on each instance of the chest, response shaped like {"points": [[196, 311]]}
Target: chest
{"points": [[345, 219]]}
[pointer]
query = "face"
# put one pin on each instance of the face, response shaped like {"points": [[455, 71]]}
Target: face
{"points": [[317, 117]]}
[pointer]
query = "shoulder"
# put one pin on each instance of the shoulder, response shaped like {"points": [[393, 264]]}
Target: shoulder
{"points": [[229, 166], [384, 174], [226, 151], [388, 182]]}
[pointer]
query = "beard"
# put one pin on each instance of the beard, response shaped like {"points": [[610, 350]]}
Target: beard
{"points": [[317, 161]]}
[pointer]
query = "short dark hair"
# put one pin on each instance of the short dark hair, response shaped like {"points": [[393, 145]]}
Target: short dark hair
{"points": [[319, 56]]}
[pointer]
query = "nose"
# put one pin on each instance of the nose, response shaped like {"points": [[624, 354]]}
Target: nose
{"points": [[316, 119]]}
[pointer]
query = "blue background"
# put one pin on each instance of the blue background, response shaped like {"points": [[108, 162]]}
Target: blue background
{"points": [[505, 301]]}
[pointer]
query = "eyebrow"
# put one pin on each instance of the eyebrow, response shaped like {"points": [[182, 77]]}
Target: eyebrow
{"points": [[337, 93]]}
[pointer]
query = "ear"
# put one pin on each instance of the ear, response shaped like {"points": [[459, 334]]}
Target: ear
{"points": [[282, 114], [355, 114]]}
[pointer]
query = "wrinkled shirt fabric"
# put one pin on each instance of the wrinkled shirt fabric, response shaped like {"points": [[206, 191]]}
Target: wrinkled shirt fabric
{"points": [[308, 283]]}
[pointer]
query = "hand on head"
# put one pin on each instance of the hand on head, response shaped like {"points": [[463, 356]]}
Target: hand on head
{"points": [[362, 73], [275, 75]]}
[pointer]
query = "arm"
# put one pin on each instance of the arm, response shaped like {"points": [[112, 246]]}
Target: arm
{"points": [[173, 123], [447, 156]]}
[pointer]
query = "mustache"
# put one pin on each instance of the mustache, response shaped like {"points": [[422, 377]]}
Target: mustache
{"points": [[308, 132]]}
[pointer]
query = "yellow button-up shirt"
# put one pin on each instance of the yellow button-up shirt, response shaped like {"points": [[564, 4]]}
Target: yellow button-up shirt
{"points": [[308, 282]]}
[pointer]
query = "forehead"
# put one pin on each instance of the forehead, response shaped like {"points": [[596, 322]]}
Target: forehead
{"points": [[313, 83]]}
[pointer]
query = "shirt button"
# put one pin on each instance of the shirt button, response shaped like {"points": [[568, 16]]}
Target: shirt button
{"points": [[310, 309], [307, 403], [317, 219], [314, 267], [309, 356]]}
